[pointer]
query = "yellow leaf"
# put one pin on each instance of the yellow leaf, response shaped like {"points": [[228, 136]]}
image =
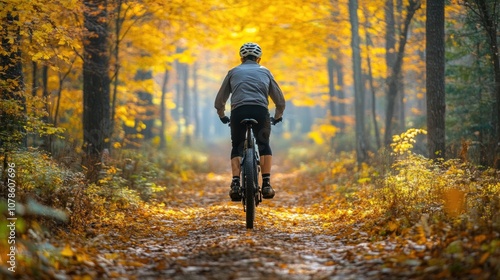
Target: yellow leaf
{"points": [[130, 123], [328, 129], [364, 180], [392, 226], [82, 258], [156, 140], [210, 176], [67, 251], [317, 137]]}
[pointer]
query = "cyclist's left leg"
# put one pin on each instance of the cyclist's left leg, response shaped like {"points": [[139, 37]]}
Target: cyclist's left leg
{"points": [[237, 139], [234, 192], [236, 166]]}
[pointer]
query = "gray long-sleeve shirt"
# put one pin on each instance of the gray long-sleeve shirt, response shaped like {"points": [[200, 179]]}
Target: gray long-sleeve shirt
{"points": [[249, 84]]}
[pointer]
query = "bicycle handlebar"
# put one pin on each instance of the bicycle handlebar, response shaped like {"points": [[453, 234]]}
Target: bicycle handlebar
{"points": [[273, 121]]}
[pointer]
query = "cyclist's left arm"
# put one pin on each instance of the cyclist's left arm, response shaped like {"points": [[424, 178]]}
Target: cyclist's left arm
{"points": [[222, 97]]}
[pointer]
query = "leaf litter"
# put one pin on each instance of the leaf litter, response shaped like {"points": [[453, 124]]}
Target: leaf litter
{"points": [[200, 234]]}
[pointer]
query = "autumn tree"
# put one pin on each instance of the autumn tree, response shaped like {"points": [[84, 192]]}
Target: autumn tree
{"points": [[394, 75], [12, 102], [372, 90], [331, 93], [125, 18], [145, 121], [96, 100], [186, 102], [342, 110], [359, 98], [196, 103], [390, 36], [435, 79], [390, 40], [487, 14], [163, 108]]}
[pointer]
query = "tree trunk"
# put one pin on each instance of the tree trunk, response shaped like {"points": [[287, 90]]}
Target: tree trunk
{"points": [[401, 102], [196, 103], [34, 77], [372, 89], [306, 120], [47, 145], [177, 111], [163, 109], [435, 84], [62, 77], [45, 85], [145, 100], [390, 38], [331, 94], [96, 101], [186, 104], [341, 96], [359, 99], [208, 122], [116, 53], [392, 80]]}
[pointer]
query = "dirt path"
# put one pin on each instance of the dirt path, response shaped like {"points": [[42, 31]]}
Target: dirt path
{"points": [[285, 243]]}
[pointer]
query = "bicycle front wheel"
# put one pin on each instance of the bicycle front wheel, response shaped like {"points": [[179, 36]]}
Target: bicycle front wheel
{"points": [[250, 169]]}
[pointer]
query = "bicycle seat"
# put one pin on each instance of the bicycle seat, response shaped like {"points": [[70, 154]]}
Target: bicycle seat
{"points": [[249, 121]]}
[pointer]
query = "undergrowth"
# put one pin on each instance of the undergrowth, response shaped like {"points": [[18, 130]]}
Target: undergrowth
{"points": [[52, 197], [401, 187], [451, 207]]}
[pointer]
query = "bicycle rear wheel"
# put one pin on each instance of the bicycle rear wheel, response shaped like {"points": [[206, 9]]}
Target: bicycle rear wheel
{"points": [[250, 169]]}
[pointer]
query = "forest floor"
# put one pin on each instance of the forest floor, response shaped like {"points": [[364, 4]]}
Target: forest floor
{"points": [[308, 231], [200, 234]]}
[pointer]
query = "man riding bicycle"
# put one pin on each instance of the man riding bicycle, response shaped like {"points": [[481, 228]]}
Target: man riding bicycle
{"points": [[250, 85]]}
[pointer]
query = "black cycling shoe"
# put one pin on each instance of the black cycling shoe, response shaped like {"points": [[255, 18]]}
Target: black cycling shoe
{"points": [[267, 191], [234, 193]]}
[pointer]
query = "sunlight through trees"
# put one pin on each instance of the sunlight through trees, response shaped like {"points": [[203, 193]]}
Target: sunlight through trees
{"points": [[389, 144]]}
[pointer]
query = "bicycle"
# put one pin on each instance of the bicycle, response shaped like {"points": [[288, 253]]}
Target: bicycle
{"points": [[251, 193]]}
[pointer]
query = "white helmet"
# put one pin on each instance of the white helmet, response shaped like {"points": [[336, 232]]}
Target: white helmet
{"points": [[250, 49]]}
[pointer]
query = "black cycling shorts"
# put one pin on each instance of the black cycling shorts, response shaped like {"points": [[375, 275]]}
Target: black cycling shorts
{"points": [[262, 130]]}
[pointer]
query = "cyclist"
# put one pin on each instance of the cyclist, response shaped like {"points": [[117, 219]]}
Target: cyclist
{"points": [[250, 85]]}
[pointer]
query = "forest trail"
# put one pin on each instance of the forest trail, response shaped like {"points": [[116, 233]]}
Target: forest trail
{"points": [[200, 234]]}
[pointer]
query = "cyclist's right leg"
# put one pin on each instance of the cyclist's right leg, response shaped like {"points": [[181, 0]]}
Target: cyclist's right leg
{"points": [[265, 163]]}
